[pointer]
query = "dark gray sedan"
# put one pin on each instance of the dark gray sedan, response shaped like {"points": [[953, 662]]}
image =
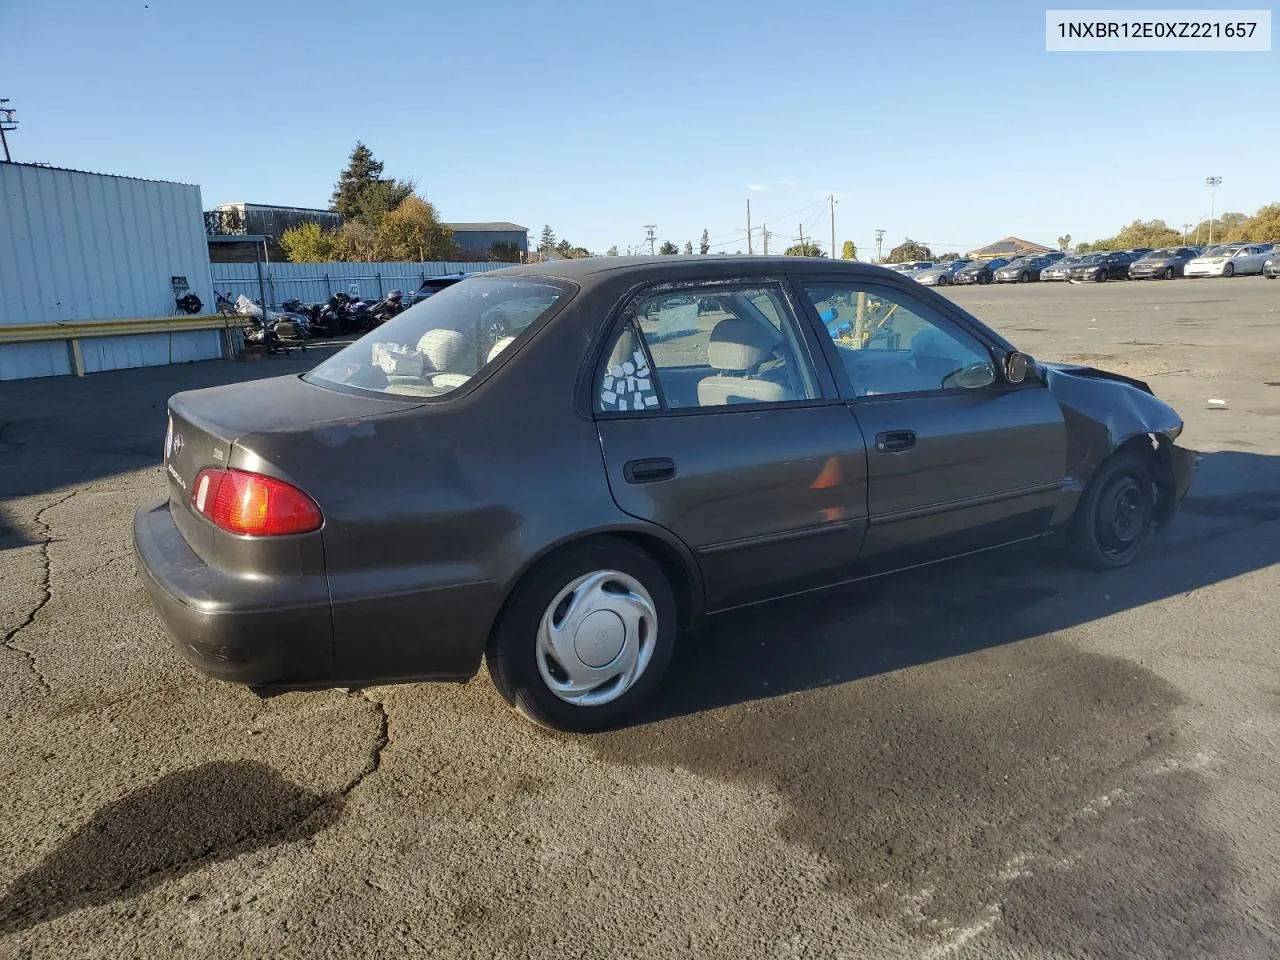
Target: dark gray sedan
{"points": [[650, 442], [1164, 264]]}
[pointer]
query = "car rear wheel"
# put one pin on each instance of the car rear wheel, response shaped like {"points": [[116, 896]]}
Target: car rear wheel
{"points": [[585, 638], [1229, 269], [1025, 277], [984, 278], [1168, 273], [1114, 519]]}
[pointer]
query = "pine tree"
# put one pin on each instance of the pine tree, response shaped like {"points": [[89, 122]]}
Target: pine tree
{"points": [[548, 241], [704, 246], [363, 193], [688, 248], [668, 249]]}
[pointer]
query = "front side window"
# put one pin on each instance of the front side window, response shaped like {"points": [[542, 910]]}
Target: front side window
{"points": [[889, 344], [440, 343], [705, 347]]}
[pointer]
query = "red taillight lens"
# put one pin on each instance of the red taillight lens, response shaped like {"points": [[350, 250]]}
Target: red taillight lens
{"points": [[253, 504]]}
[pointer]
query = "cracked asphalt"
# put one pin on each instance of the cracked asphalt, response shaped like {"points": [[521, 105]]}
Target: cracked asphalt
{"points": [[1002, 757]]}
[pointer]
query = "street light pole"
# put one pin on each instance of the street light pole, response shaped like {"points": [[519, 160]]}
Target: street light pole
{"points": [[1212, 183], [1185, 228]]}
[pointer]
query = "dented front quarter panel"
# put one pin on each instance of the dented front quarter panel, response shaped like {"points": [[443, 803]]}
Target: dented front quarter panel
{"points": [[1103, 411]]}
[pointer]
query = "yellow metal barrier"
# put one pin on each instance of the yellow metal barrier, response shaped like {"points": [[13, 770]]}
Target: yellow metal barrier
{"points": [[73, 331]]}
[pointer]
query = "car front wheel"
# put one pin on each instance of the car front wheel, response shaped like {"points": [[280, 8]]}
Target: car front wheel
{"points": [[1114, 519], [585, 638], [1100, 276], [1229, 269]]}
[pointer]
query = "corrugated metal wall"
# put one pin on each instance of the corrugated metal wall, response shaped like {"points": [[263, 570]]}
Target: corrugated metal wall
{"points": [[88, 246], [316, 282], [85, 246]]}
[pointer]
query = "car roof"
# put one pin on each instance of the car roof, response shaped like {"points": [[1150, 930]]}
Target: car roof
{"points": [[590, 271]]}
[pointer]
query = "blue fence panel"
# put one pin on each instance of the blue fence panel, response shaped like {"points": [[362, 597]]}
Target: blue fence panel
{"points": [[317, 282]]}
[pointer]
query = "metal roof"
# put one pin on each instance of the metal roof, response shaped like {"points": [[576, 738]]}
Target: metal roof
{"points": [[498, 226], [96, 173]]}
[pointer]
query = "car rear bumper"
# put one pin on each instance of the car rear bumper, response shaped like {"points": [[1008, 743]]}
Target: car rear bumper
{"points": [[1271, 270], [268, 631]]}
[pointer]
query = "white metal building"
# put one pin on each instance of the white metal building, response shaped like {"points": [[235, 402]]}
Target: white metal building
{"points": [[78, 247]]}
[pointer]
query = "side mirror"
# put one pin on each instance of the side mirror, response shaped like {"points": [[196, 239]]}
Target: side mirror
{"points": [[1018, 366]]}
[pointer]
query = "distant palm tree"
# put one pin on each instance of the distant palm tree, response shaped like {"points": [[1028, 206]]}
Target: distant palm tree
{"points": [[1064, 241]]}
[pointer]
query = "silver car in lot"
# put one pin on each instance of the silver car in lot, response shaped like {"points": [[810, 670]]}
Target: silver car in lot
{"points": [[940, 274], [1058, 271]]}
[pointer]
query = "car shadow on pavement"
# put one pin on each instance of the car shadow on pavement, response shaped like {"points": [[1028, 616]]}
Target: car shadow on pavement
{"points": [[1225, 528], [183, 821]]}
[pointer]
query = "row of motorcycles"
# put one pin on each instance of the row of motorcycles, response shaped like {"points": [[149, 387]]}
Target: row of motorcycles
{"points": [[297, 321]]}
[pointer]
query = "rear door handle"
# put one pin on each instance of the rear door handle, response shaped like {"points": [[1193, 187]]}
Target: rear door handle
{"points": [[895, 441], [648, 471]]}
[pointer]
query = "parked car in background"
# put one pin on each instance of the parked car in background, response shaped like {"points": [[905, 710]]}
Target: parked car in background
{"points": [[980, 271], [1229, 259], [1101, 266], [940, 274], [561, 504], [1053, 256], [1139, 252], [1163, 264], [1058, 269], [1271, 268], [1022, 270], [433, 285]]}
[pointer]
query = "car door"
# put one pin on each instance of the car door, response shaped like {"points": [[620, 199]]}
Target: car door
{"points": [[958, 458], [1249, 260], [716, 423]]}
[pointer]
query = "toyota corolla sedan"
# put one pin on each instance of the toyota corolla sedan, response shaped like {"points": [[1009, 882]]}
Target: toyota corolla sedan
{"points": [[941, 274], [1058, 269], [653, 441], [1229, 259], [1163, 264], [1022, 270], [980, 271], [1101, 266]]}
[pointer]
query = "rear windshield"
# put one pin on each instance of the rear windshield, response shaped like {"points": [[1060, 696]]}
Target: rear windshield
{"points": [[437, 345]]}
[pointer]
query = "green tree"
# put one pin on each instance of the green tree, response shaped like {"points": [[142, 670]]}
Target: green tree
{"points": [[849, 251], [503, 252], [909, 250], [547, 243], [413, 231], [688, 248], [310, 243], [1263, 226], [1064, 241], [1083, 247], [704, 245], [668, 249], [806, 249], [362, 192], [949, 255]]}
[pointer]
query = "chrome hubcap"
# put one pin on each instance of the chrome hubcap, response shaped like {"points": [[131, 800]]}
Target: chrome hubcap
{"points": [[596, 638]]}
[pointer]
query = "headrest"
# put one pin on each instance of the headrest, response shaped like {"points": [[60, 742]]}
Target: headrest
{"points": [[446, 349], [741, 345]]}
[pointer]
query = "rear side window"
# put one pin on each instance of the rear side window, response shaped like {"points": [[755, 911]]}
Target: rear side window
{"points": [[437, 345], [706, 347]]}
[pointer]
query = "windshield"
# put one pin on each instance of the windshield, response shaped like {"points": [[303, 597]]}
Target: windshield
{"points": [[1093, 258], [1161, 254], [436, 346], [1216, 251]]}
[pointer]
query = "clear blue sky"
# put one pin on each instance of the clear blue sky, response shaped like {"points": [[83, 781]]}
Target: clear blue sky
{"points": [[946, 122]]}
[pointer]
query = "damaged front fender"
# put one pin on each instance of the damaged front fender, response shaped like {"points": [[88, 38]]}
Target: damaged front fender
{"points": [[1105, 412]]}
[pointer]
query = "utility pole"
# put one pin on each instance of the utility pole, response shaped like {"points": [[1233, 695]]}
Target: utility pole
{"points": [[802, 239], [7, 125], [1185, 228], [650, 236], [833, 226], [1212, 183], [749, 250], [764, 235], [879, 241]]}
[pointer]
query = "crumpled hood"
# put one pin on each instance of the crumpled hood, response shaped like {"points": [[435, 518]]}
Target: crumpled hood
{"points": [[1093, 373]]}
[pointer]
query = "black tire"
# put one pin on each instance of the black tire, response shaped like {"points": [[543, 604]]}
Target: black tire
{"points": [[984, 278], [1169, 273], [1100, 276], [1025, 277], [1229, 270], [943, 281], [512, 653], [1114, 518]]}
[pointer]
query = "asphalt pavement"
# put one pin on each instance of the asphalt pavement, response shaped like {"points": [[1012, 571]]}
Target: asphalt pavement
{"points": [[999, 757]]}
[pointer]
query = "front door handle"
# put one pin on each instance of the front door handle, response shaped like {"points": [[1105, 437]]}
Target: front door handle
{"points": [[648, 471], [895, 441]]}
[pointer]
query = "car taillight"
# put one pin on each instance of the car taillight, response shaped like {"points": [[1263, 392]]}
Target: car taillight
{"points": [[253, 504]]}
